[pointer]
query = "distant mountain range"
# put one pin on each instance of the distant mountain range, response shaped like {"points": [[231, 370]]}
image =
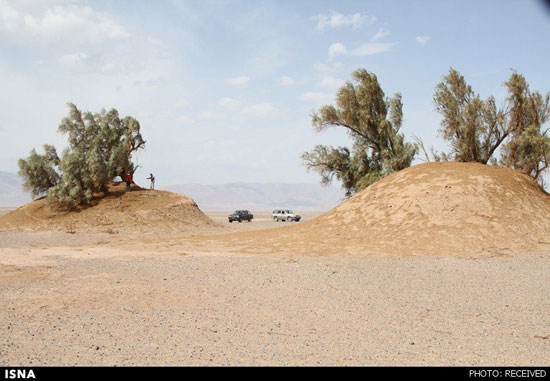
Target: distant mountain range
{"points": [[261, 197], [11, 193], [223, 197]]}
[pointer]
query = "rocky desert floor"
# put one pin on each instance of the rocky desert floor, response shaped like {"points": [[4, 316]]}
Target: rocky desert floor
{"points": [[123, 299]]}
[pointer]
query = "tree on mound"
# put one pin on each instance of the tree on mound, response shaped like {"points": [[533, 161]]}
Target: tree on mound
{"points": [[100, 148], [373, 122], [476, 128]]}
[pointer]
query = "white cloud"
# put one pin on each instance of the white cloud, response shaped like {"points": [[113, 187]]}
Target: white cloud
{"points": [[330, 83], [211, 116], [260, 109], [422, 40], [64, 22], [185, 120], [230, 104], [75, 59], [84, 62], [371, 48], [286, 81], [155, 41], [382, 32], [368, 49], [181, 103], [154, 81], [337, 49], [238, 81], [336, 20], [321, 67], [317, 97]]}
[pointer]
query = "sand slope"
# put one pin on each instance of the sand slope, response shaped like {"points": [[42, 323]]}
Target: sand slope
{"points": [[140, 210], [430, 208]]}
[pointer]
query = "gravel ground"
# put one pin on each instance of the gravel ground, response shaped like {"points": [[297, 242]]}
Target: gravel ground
{"points": [[103, 305], [50, 239]]}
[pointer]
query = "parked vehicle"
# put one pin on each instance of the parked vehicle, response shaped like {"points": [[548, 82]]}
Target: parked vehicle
{"points": [[241, 215], [285, 215]]}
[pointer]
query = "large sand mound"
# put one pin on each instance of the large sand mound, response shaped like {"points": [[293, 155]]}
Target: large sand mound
{"points": [[141, 210], [433, 208]]}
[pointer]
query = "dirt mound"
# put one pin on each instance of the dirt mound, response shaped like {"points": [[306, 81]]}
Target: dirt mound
{"points": [[433, 208], [140, 210]]}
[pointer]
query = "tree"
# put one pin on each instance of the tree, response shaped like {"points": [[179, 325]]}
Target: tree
{"points": [[476, 129], [38, 171], [373, 122], [528, 148], [100, 148]]}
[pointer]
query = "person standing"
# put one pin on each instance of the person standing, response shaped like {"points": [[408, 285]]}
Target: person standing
{"points": [[129, 180], [152, 178]]}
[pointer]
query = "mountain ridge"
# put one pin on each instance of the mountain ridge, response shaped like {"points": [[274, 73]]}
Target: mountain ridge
{"points": [[218, 197]]}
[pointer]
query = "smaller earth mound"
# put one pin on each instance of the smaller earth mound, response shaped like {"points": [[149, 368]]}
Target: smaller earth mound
{"points": [[140, 210]]}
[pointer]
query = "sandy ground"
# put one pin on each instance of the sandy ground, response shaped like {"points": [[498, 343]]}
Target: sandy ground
{"points": [[118, 299], [261, 220]]}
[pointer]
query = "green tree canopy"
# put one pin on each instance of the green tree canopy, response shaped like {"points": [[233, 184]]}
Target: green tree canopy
{"points": [[475, 129], [528, 148], [100, 147], [38, 171], [373, 122]]}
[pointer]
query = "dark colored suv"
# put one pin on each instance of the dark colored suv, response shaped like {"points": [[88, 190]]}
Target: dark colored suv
{"points": [[241, 215]]}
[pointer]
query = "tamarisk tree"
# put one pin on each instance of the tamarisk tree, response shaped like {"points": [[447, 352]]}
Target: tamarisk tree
{"points": [[38, 171], [100, 147], [373, 122], [528, 147], [475, 129]]}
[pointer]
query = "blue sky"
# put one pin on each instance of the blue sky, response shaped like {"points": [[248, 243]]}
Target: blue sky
{"points": [[224, 89]]}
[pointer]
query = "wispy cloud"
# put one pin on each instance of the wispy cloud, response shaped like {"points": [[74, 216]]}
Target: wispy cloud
{"points": [[238, 81], [368, 49], [286, 81], [260, 109], [336, 20], [422, 40], [90, 63], [181, 103], [211, 116], [230, 104], [74, 59], [321, 67], [382, 32], [371, 48], [64, 22], [337, 49], [185, 120], [330, 83]]}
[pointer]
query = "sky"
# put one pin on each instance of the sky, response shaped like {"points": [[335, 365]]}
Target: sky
{"points": [[224, 89]]}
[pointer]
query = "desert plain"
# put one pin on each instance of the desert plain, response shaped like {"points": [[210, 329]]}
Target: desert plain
{"points": [[440, 264]]}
